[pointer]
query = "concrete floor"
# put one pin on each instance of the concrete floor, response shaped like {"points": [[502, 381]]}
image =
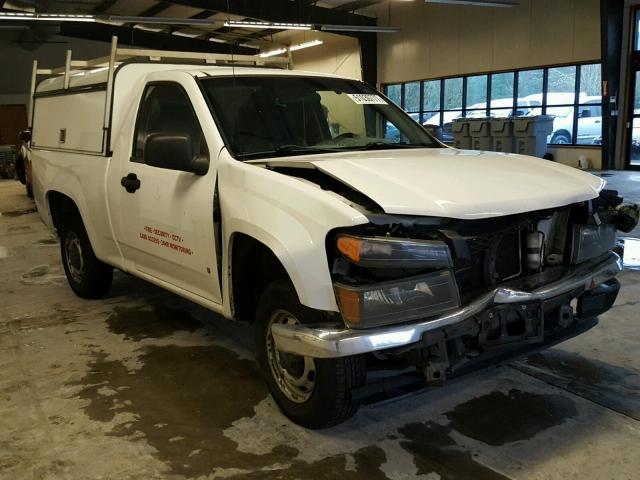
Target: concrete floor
{"points": [[145, 385]]}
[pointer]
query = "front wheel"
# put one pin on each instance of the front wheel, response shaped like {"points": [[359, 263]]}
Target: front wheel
{"points": [[88, 277], [314, 393]]}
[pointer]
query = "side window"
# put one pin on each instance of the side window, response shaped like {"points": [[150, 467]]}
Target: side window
{"points": [[166, 109]]}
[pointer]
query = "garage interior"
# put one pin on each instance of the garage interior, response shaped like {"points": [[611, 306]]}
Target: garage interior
{"points": [[145, 384]]}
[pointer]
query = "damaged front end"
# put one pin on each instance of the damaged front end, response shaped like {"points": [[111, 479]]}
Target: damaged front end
{"points": [[444, 296]]}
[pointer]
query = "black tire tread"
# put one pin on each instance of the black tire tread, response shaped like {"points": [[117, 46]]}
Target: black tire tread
{"points": [[98, 275], [346, 373]]}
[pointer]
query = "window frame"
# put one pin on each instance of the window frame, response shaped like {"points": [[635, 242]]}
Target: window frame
{"points": [[515, 107], [161, 83]]}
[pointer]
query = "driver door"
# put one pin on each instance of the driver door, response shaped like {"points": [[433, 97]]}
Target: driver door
{"points": [[167, 215]]}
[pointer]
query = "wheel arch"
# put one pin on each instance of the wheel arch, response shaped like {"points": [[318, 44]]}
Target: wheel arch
{"points": [[253, 265], [59, 206]]}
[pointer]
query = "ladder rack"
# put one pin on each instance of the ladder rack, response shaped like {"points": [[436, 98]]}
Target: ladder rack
{"points": [[119, 55]]}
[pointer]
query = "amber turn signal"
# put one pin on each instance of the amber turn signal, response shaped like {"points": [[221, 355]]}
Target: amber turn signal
{"points": [[349, 302], [350, 247]]}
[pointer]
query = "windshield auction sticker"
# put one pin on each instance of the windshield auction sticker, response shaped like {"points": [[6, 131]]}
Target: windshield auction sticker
{"points": [[366, 99]]}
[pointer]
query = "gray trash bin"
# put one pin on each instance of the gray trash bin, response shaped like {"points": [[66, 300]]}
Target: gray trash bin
{"points": [[502, 133], [480, 131], [531, 134], [460, 130]]}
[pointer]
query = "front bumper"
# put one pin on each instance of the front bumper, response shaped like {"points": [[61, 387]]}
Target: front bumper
{"points": [[323, 342]]}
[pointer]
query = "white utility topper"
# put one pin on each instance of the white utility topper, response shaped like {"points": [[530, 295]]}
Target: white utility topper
{"points": [[314, 207]]}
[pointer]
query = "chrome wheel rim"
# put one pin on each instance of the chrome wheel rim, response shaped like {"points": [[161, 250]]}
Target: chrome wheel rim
{"points": [[73, 254], [295, 375]]}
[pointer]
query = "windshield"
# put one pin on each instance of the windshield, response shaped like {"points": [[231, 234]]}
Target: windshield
{"points": [[273, 116]]}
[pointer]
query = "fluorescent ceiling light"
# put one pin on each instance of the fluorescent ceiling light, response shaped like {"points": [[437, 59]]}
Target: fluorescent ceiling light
{"points": [[477, 3], [50, 17], [272, 53], [159, 20], [300, 46], [186, 34], [268, 25], [359, 28]]}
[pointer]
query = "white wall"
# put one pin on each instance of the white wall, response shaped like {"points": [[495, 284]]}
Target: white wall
{"points": [[339, 55], [446, 40]]}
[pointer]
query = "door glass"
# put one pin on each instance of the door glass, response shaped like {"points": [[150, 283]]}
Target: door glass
{"points": [[635, 142], [394, 92], [453, 94], [412, 97], [530, 88], [634, 150], [166, 109], [477, 92], [431, 95], [562, 125], [562, 86], [502, 90]]}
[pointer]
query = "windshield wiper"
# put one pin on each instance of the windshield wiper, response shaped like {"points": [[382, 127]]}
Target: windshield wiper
{"points": [[295, 149], [385, 145]]}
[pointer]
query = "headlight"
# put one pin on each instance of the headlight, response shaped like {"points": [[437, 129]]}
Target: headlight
{"points": [[397, 301], [591, 241], [383, 252]]}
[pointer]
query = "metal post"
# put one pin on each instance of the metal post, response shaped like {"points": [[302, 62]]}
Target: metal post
{"points": [[67, 69], [34, 74], [107, 101]]}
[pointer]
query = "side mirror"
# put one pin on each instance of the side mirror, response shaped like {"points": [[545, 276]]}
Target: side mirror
{"points": [[174, 151]]}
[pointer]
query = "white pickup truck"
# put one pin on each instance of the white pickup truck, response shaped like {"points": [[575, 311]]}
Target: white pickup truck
{"points": [[274, 196]]}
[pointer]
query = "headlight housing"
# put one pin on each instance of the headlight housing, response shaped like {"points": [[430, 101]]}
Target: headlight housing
{"points": [[397, 301], [591, 241], [382, 252], [431, 288]]}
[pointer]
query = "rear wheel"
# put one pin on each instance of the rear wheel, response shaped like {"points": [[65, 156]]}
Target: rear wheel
{"points": [[561, 138], [315, 393], [88, 277]]}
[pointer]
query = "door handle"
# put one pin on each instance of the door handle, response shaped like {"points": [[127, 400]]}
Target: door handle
{"points": [[130, 183]]}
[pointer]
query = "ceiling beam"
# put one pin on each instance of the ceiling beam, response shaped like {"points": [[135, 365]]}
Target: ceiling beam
{"points": [[147, 39], [155, 9], [355, 5], [103, 6], [286, 11]]}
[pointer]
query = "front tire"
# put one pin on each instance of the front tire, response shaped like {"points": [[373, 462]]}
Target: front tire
{"points": [[88, 277], [314, 393]]}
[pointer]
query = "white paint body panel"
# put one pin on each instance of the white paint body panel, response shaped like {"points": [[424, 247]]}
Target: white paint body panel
{"points": [[290, 216], [82, 119], [446, 182]]}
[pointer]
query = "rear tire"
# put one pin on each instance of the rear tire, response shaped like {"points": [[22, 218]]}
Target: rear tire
{"points": [[29, 190], [561, 138], [314, 393], [88, 277]]}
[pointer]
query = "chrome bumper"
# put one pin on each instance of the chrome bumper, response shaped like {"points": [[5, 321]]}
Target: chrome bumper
{"points": [[342, 342]]}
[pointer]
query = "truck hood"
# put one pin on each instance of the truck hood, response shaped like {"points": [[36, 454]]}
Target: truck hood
{"points": [[446, 182]]}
